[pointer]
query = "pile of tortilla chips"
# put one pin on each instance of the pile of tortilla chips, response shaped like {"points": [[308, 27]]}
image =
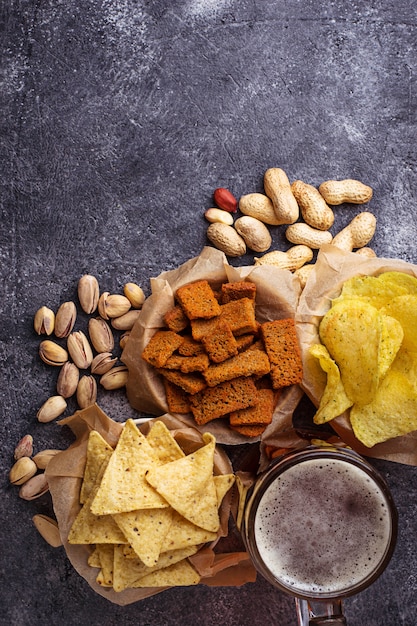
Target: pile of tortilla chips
{"points": [[147, 507], [369, 352]]}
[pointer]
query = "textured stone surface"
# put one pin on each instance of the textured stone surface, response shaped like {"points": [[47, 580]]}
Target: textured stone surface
{"points": [[119, 118]]}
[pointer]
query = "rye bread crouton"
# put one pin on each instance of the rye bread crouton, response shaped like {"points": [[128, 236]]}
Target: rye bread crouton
{"points": [[215, 402], [190, 347], [249, 363], [249, 430], [161, 346], [221, 344], [191, 383], [198, 300], [177, 398], [281, 345], [176, 319], [238, 290], [260, 414], [240, 315], [187, 364]]}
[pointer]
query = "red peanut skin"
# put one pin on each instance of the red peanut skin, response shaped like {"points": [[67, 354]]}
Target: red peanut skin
{"points": [[225, 200]]}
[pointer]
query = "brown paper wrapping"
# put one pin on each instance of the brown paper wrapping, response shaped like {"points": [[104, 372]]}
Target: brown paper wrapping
{"points": [[65, 472], [277, 297], [332, 268]]}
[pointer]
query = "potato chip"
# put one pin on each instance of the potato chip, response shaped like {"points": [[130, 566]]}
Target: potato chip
{"points": [[163, 443], [98, 450], [88, 528], [371, 289], [393, 411], [145, 530], [123, 486], [406, 281], [404, 310], [188, 485], [351, 331], [181, 574], [334, 400], [128, 571]]}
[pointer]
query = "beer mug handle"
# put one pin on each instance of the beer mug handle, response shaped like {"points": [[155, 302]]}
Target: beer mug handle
{"points": [[320, 613]]}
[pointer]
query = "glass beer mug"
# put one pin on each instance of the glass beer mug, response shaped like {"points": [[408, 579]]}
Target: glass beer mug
{"points": [[321, 525]]}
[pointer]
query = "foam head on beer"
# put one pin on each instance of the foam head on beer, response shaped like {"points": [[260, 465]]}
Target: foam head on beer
{"points": [[323, 526]]}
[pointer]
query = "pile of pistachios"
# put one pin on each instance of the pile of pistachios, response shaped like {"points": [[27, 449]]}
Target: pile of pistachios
{"points": [[84, 359]]}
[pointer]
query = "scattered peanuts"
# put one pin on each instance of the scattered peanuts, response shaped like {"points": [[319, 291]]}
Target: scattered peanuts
{"points": [[283, 203], [255, 234], [339, 191], [315, 211], [304, 234]]}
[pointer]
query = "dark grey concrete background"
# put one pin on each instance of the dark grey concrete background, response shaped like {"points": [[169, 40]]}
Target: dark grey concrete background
{"points": [[119, 119]]}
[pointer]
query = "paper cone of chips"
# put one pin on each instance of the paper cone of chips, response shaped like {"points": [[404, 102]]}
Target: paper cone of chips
{"points": [[125, 548]]}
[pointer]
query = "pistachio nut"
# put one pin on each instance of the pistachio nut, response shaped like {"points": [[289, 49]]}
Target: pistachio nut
{"points": [[101, 335], [88, 293], [24, 447], [44, 321], [52, 353], [22, 470], [48, 528], [34, 488], [123, 340], [102, 363], [67, 382], [52, 408], [116, 378], [86, 391], [112, 305], [134, 294], [126, 321], [65, 319], [80, 349], [43, 457]]}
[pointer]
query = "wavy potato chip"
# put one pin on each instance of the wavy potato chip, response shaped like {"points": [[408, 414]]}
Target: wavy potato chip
{"points": [[393, 411], [371, 289], [334, 400], [351, 331], [404, 310]]}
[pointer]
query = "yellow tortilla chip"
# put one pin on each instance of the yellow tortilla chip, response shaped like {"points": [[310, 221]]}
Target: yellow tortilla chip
{"points": [[163, 443], [128, 571], [223, 483], [392, 413], [98, 450], [181, 574], [94, 558], [188, 485], [123, 486], [183, 534], [351, 331], [88, 528], [106, 558], [145, 530], [334, 400]]}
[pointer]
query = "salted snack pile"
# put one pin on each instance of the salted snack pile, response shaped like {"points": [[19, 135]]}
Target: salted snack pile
{"points": [[147, 507], [369, 352], [218, 361]]}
